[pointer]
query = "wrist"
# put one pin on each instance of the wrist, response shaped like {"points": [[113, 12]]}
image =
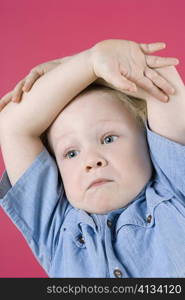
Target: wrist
{"points": [[89, 55], [95, 58]]}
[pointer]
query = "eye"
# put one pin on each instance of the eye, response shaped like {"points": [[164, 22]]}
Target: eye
{"points": [[70, 154], [109, 138]]}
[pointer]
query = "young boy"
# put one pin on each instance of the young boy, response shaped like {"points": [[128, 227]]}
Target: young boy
{"points": [[102, 210]]}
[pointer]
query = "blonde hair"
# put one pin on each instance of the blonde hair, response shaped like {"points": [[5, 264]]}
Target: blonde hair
{"points": [[135, 105]]}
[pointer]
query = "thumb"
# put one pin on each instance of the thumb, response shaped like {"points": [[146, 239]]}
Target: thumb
{"points": [[152, 47]]}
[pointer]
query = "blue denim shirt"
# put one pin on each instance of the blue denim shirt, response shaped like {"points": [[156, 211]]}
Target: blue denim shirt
{"points": [[144, 239]]}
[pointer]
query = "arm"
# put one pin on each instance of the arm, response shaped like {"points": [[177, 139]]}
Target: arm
{"points": [[26, 83], [23, 123], [53, 92], [167, 119]]}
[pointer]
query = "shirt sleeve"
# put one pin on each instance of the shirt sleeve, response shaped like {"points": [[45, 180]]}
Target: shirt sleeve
{"points": [[168, 158], [37, 205]]}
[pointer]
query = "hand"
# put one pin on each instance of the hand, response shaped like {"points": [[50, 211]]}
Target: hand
{"points": [[126, 65], [26, 83]]}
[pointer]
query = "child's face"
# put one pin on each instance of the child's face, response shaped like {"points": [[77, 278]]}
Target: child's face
{"points": [[102, 140]]}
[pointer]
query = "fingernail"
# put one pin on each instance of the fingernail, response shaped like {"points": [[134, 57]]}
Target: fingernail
{"points": [[132, 88], [166, 98]]}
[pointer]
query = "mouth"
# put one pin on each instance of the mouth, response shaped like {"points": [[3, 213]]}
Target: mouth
{"points": [[99, 182]]}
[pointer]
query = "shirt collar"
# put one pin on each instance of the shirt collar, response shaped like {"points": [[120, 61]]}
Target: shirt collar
{"points": [[141, 211]]}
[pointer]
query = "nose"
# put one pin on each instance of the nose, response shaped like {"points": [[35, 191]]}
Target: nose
{"points": [[95, 162]]}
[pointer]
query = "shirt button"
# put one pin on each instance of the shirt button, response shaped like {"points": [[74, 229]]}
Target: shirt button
{"points": [[149, 219], [81, 239], [109, 223], [117, 273]]}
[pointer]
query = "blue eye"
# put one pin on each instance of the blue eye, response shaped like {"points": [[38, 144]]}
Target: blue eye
{"points": [[109, 138], [69, 152]]}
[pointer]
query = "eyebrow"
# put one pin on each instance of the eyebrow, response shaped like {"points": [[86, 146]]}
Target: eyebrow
{"points": [[63, 136]]}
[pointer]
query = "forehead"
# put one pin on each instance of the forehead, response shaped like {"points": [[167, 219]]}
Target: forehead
{"points": [[91, 110]]}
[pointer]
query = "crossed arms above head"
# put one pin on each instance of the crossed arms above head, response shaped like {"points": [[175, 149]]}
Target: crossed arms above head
{"points": [[119, 62]]}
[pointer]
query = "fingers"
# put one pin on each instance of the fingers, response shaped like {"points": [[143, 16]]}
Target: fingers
{"points": [[17, 91], [159, 81], [152, 47], [158, 62], [24, 85], [5, 100], [153, 90], [120, 82], [30, 79]]}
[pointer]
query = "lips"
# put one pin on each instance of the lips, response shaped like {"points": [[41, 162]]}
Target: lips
{"points": [[99, 181]]}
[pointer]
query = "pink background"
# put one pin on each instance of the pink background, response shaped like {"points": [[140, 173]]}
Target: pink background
{"points": [[35, 31]]}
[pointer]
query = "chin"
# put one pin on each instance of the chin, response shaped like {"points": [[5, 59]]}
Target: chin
{"points": [[102, 203]]}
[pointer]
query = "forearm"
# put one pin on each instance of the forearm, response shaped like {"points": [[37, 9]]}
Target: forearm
{"points": [[167, 119], [49, 95]]}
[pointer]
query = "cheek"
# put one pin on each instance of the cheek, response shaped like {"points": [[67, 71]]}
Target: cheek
{"points": [[140, 161], [134, 159], [143, 151], [70, 180], [138, 147]]}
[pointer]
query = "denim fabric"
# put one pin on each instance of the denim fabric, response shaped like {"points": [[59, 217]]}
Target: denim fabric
{"points": [[144, 239]]}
